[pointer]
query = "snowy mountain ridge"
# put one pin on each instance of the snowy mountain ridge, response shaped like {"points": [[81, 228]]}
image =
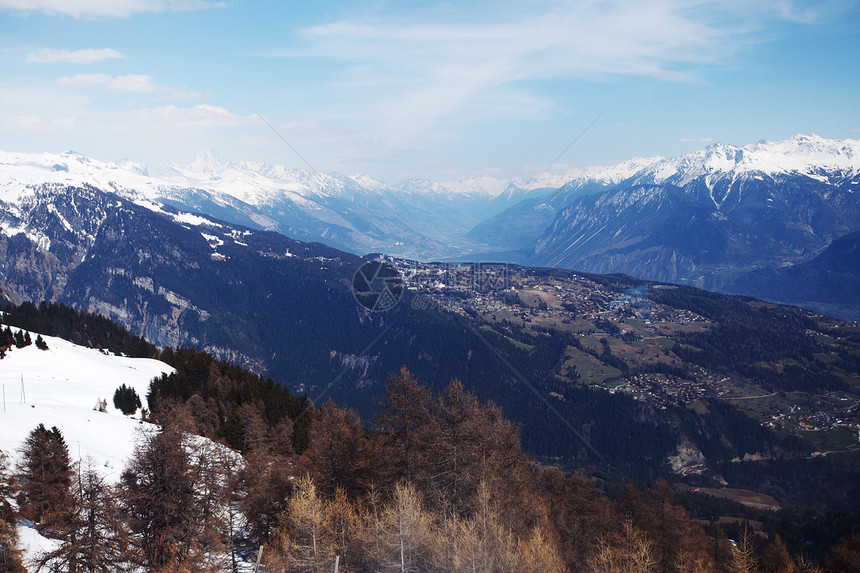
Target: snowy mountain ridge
{"points": [[416, 218], [256, 182], [801, 154]]}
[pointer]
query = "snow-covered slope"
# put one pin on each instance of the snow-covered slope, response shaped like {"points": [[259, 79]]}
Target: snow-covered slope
{"points": [[21, 172], [61, 387]]}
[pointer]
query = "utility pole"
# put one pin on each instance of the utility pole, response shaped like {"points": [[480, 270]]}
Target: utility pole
{"points": [[259, 556]]}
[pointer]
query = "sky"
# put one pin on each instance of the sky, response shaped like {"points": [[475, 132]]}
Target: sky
{"points": [[419, 89]]}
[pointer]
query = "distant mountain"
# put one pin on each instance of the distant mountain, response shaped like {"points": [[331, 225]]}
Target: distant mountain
{"points": [[359, 214], [706, 217], [829, 283], [517, 227]]}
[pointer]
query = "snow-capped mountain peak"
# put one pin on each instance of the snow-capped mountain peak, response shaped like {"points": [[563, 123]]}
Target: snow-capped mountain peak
{"points": [[800, 154]]}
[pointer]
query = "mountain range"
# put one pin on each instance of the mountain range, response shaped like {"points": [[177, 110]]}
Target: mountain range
{"points": [[416, 218], [709, 218]]}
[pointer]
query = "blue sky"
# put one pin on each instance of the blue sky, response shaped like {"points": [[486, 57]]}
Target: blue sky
{"points": [[422, 89]]}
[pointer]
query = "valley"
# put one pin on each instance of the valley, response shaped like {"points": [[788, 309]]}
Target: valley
{"points": [[626, 341]]}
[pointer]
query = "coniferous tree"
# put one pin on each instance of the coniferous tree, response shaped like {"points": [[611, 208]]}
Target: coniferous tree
{"points": [[95, 538], [46, 477], [303, 541], [40, 343], [845, 556], [158, 498], [214, 476], [409, 531], [340, 453], [470, 442], [402, 425], [626, 550], [10, 555], [254, 428], [744, 559], [126, 399]]}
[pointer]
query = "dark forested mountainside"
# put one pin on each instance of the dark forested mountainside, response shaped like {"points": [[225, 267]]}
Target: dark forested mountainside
{"points": [[829, 283]]}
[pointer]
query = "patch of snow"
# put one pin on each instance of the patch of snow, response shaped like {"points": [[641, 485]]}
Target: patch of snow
{"points": [[196, 220], [213, 241], [60, 387]]}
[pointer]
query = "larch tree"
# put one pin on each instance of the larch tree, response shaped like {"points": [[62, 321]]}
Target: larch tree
{"points": [[255, 431], [46, 477], [10, 556], [95, 539], [845, 556], [744, 559], [211, 469], [402, 423], [340, 453], [303, 541], [627, 550], [409, 532], [159, 500]]}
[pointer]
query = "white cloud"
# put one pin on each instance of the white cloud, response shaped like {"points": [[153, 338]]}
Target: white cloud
{"points": [[411, 73], [87, 56], [131, 83], [696, 140], [199, 116], [22, 121], [103, 8]]}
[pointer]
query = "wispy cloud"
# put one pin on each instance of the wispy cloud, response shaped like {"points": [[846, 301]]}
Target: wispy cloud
{"points": [[104, 8], [87, 56], [202, 116], [696, 140], [411, 73], [131, 83]]}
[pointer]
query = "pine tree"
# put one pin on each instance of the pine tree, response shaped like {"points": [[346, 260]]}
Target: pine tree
{"points": [[40, 343]]}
